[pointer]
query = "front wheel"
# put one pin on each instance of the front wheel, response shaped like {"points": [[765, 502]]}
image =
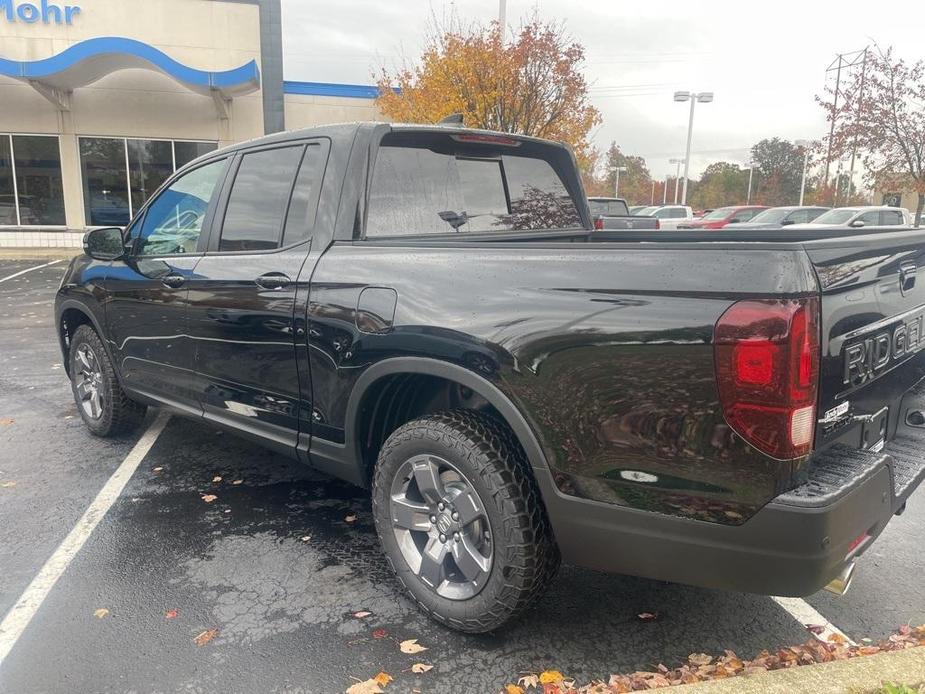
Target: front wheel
{"points": [[461, 520], [103, 405]]}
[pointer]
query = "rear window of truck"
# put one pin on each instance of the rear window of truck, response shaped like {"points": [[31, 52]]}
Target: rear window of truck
{"points": [[439, 184]]}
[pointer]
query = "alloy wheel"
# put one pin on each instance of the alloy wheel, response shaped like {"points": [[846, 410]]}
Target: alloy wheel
{"points": [[88, 382], [441, 527]]}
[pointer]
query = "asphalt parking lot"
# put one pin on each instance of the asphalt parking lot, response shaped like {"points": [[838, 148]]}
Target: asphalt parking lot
{"points": [[274, 567]]}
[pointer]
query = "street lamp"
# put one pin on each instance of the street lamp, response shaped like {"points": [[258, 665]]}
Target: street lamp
{"points": [[748, 194], [694, 98], [805, 144], [616, 183], [677, 175]]}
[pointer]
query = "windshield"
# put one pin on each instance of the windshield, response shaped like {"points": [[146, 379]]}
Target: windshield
{"points": [[721, 213], [835, 216], [646, 211], [775, 215], [608, 208]]}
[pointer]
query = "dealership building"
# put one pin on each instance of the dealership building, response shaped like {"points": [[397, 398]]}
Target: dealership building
{"points": [[101, 100]]}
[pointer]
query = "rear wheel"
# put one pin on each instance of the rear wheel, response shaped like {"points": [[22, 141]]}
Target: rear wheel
{"points": [[461, 521], [101, 402]]}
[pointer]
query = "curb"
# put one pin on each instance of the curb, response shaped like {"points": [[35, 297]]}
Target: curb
{"points": [[857, 675]]}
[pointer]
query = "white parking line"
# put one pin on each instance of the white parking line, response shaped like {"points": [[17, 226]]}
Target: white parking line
{"points": [[806, 615], [19, 616], [30, 269]]}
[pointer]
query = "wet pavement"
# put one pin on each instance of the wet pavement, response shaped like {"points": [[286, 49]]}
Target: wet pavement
{"points": [[273, 565]]}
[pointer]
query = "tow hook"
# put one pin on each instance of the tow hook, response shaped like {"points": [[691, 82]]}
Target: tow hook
{"points": [[842, 582]]}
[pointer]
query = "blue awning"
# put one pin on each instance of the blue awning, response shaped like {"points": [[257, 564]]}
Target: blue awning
{"points": [[87, 61]]}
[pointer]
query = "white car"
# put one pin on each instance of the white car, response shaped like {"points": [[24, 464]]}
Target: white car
{"points": [[669, 216], [869, 216]]}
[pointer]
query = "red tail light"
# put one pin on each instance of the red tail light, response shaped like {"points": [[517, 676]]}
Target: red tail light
{"points": [[599, 224], [767, 372]]}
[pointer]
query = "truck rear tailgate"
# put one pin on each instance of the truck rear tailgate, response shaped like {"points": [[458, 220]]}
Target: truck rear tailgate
{"points": [[873, 340]]}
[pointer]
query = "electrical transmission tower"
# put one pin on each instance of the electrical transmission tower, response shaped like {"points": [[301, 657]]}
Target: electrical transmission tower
{"points": [[845, 61]]}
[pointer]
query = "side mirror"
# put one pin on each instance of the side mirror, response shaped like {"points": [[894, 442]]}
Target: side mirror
{"points": [[857, 223], [104, 244]]}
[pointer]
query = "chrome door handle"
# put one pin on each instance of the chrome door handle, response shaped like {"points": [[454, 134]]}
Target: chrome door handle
{"points": [[273, 280]]}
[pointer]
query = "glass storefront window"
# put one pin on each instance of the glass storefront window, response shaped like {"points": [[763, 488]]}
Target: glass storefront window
{"points": [[150, 163], [119, 174], [105, 181], [187, 151], [38, 180], [7, 192]]}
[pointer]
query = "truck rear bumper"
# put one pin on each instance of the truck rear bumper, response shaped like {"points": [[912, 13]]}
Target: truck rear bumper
{"points": [[793, 546]]}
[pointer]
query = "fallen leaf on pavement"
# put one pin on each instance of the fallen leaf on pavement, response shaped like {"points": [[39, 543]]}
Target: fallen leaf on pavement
{"points": [[529, 680], [100, 613], [6, 421], [419, 668], [170, 614], [814, 628], [513, 689], [551, 677], [7, 485], [411, 646], [380, 634], [306, 538], [647, 616], [837, 638], [700, 659], [217, 478], [351, 518], [157, 469], [383, 678], [370, 686], [204, 637], [361, 614], [209, 498], [237, 482]]}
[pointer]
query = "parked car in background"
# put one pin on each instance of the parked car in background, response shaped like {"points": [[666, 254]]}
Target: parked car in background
{"points": [[700, 213], [669, 216], [720, 217], [867, 216], [612, 213], [635, 209], [775, 217]]}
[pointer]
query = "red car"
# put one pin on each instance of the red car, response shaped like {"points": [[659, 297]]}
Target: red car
{"points": [[722, 216]]}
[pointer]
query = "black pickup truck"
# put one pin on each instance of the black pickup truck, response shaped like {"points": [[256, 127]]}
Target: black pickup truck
{"points": [[428, 312]]}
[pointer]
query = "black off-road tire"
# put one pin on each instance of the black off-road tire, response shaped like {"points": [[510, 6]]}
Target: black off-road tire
{"points": [[525, 555], [119, 413]]}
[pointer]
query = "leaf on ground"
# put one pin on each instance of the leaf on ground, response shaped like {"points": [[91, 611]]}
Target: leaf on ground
{"points": [[420, 668], [700, 659], [814, 628], [380, 633], [513, 689], [237, 482], [529, 680], [551, 677], [411, 646], [306, 538], [835, 637], [647, 616], [361, 614], [157, 469], [217, 478], [6, 421], [8, 484], [100, 613], [350, 518], [383, 678], [171, 614], [203, 637], [209, 498], [370, 686]]}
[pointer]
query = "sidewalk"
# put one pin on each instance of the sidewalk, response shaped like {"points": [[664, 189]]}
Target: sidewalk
{"points": [[854, 676]]}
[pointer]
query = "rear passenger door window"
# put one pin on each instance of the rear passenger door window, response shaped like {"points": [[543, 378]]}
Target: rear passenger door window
{"points": [[259, 198], [891, 217], [870, 219]]}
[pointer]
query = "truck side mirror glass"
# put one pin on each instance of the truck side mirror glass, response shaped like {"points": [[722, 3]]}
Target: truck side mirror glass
{"points": [[104, 244]]}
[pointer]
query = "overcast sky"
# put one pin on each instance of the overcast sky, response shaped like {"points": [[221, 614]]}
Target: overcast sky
{"points": [[764, 60]]}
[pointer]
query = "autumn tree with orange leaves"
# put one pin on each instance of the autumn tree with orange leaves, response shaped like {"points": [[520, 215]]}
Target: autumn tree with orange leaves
{"points": [[880, 113], [529, 85]]}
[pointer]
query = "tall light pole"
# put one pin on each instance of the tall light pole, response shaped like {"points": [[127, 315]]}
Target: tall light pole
{"points": [[665, 190], [676, 176], [652, 199], [616, 181], [748, 195], [693, 97], [805, 144]]}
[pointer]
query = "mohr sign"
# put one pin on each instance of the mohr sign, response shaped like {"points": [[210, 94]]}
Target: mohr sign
{"points": [[44, 12]]}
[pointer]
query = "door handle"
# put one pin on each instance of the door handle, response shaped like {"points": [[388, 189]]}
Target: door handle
{"points": [[173, 281], [273, 280]]}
